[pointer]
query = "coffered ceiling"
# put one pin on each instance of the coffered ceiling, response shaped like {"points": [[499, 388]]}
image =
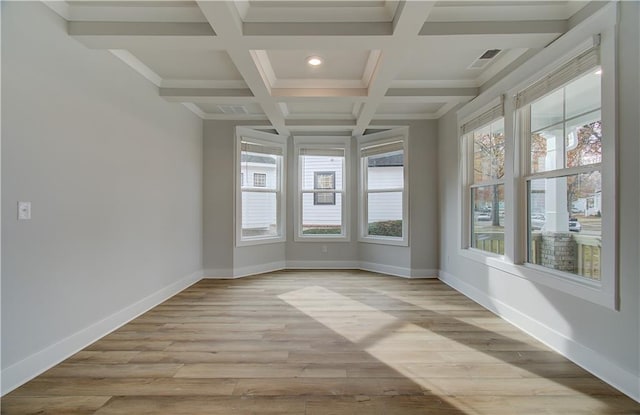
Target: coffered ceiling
{"points": [[382, 60]]}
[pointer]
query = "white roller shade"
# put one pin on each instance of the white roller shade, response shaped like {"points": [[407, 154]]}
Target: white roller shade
{"points": [[483, 119], [261, 149], [326, 152], [580, 65], [375, 150]]}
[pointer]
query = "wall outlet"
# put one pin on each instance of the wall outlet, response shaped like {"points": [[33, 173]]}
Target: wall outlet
{"points": [[24, 210]]}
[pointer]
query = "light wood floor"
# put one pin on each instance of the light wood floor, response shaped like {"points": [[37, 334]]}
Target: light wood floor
{"points": [[338, 342]]}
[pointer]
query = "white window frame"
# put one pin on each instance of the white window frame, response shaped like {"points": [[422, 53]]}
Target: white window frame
{"points": [[601, 24], [487, 115], [320, 143], [604, 291], [365, 141], [269, 140]]}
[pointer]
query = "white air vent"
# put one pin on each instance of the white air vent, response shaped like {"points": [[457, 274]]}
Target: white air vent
{"points": [[233, 109], [484, 59]]}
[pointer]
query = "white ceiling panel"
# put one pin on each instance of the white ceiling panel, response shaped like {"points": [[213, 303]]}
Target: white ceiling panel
{"points": [[338, 64], [189, 64], [231, 109]]}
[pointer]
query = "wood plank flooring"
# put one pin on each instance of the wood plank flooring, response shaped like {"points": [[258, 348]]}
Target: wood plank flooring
{"points": [[317, 342]]}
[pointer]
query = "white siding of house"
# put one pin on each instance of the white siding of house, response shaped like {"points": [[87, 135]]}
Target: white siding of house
{"points": [[259, 210], [324, 215], [385, 206]]}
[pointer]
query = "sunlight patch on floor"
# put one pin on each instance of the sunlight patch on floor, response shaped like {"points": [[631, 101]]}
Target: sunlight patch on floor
{"points": [[410, 350]]}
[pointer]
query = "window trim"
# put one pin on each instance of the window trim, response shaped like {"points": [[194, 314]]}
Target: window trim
{"points": [[396, 134], [320, 143], [603, 24], [271, 140]]}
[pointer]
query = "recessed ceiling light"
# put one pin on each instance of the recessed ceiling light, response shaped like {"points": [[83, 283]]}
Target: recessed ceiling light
{"points": [[314, 60]]}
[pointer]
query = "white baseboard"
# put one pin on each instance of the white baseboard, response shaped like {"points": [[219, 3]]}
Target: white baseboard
{"points": [[30, 367], [424, 273], [259, 269], [222, 274], [588, 359], [386, 269], [323, 265]]}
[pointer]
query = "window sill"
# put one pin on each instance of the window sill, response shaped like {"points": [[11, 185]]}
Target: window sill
{"points": [[322, 238], [260, 241], [567, 283], [383, 241]]}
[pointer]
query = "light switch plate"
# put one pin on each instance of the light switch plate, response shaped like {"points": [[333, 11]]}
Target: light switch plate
{"points": [[24, 210]]}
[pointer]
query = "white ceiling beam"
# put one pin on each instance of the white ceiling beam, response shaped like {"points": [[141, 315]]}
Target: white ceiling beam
{"points": [[318, 29], [493, 28], [318, 92], [328, 13], [208, 95], [118, 11], [79, 28], [224, 18], [432, 92], [128, 35], [408, 20]]}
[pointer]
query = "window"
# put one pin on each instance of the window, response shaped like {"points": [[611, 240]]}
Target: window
{"points": [[259, 204], [321, 165], [484, 139], [324, 180], [259, 179], [383, 183], [562, 130]]}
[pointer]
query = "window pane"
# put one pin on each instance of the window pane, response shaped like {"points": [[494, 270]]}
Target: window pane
{"points": [[583, 94], [584, 140], [548, 110], [259, 214], [488, 152], [385, 171], [259, 170], [565, 225], [487, 225], [321, 219], [385, 214], [311, 166], [566, 126], [547, 149]]}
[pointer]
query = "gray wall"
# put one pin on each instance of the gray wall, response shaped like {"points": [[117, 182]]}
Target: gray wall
{"points": [[114, 175], [218, 196], [221, 257], [612, 335]]}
